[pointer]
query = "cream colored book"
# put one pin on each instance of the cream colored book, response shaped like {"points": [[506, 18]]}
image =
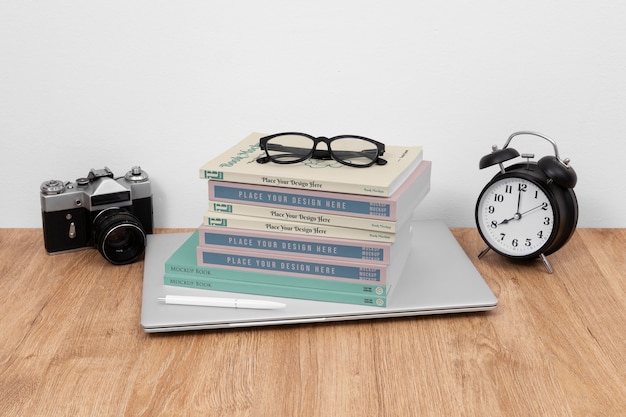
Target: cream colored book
{"points": [[281, 226], [238, 164], [301, 216]]}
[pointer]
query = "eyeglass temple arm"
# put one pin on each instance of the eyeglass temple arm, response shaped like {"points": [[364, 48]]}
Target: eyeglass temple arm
{"points": [[289, 151], [298, 151], [368, 153]]}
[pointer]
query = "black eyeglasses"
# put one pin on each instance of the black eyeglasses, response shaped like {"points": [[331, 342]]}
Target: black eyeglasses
{"points": [[292, 147]]}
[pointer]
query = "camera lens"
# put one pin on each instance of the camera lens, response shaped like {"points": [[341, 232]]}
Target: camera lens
{"points": [[119, 236]]}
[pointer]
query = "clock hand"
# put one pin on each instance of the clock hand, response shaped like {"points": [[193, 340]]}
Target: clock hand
{"points": [[533, 209], [517, 214]]}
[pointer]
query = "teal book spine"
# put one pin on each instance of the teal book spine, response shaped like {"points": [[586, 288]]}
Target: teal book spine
{"points": [[192, 271], [285, 291]]}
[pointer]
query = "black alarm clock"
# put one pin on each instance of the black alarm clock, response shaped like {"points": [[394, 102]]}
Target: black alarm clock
{"points": [[528, 210]]}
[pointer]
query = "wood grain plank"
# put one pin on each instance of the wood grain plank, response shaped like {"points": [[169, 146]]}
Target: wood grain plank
{"points": [[72, 345]]}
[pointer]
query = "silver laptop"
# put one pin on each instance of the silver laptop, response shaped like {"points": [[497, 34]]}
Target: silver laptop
{"points": [[438, 278]]}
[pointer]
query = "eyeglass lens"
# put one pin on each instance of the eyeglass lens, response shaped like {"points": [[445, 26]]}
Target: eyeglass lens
{"points": [[294, 148]]}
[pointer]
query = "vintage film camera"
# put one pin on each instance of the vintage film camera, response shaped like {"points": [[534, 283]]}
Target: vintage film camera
{"points": [[111, 214]]}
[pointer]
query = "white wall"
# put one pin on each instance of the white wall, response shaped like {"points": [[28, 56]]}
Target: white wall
{"points": [[169, 84]]}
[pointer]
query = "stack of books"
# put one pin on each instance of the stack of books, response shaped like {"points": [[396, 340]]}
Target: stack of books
{"points": [[316, 230]]}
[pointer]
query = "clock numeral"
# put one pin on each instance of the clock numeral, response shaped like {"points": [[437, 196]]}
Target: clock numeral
{"points": [[518, 216]]}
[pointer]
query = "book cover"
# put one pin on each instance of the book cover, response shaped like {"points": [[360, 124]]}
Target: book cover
{"points": [[247, 287], [238, 164], [396, 207], [323, 248], [183, 262], [287, 227], [303, 266]]}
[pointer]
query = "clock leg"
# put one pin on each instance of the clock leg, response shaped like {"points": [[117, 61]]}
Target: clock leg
{"points": [[483, 252], [546, 263]]}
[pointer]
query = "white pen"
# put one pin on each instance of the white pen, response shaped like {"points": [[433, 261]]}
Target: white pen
{"points": [[189, 300]]}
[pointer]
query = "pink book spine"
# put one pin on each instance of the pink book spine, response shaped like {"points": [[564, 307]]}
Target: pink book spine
{"points": [[310, 200], [311, 246], [318, 201], [292, 265]]}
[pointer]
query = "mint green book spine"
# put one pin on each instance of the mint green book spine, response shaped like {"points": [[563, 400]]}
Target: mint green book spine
{"points": [[183, 262], [284, 291]]}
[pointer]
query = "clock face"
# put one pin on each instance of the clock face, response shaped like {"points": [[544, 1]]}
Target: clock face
{"points": [[515, 217]]}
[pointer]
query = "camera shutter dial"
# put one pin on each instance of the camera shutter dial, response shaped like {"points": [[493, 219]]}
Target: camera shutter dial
{"points": [[136, 174], [52, 187]]}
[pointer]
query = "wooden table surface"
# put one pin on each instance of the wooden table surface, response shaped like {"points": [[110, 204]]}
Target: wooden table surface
{"points": [[72, 345]]}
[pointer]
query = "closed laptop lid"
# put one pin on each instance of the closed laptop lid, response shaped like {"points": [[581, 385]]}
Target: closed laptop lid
{"points": [[438, 278]]}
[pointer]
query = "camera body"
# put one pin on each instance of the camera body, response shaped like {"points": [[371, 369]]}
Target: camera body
{"points": [[111, 214]]}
